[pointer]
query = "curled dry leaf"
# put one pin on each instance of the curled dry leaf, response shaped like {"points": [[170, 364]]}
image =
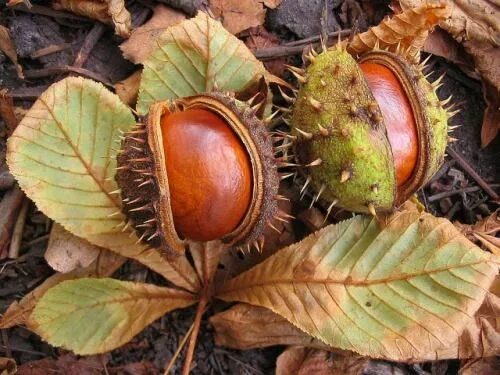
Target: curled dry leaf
{"points": [[238, 15], [7, 366], [259, 38], [476, 25], [407, 30], [18, 312], [143, 40], [402, 291], [7, 47], [117, 311], [63, 157], [484, 366], [484, 231], [65, 251], [299, 360], [107, 11], [245, 326], [196, 56], [128, 89]]}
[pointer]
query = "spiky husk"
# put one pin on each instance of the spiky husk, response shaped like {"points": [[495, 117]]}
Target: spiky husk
{"points": [[337, 121], [143, 180]]}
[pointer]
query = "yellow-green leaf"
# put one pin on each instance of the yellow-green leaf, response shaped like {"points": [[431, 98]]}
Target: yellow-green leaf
{"points": [[194, 56], [90, 316], [62, 154], [393, 292]]}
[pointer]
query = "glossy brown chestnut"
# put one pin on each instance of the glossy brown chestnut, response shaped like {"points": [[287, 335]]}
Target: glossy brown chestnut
{"points": [[398, 115], [209, 174]]}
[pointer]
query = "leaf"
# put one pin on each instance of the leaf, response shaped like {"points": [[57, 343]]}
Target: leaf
{"points": [[64, 364], [18, 312], [394, 292], [9, 49], [246, 326], [65, 252], [238, 15], [194, 56], [407, 30], [476, 25], [62, 155], [107, 11], [7, 366], [143, 40], [299, 360], [128, 89], [206, 256], [90, 316]]}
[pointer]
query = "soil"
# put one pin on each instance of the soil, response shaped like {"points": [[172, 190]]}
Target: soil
{"points": [[157, 344]]}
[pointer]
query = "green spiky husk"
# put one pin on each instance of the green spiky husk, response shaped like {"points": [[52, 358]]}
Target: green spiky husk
{"points": [[355, 143]]}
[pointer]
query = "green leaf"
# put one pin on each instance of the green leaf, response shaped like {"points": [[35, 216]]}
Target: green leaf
{"points": [[90, 316], [393, 292], [62, 156], [193, 56]]}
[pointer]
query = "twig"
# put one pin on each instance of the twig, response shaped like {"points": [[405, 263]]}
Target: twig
{"points": [[9, 207], [45, 11], [314, 39], [446, 194], [36, 241], [89, 42], [286, 50], [54, 48], [194, 335], [471, 172], [46, 72], [179, 349], [17, 234], [7, 111], [6, 180], [28, 93]]}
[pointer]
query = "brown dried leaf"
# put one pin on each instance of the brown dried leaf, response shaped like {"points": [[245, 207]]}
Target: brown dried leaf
{"points": [[107, 11], [440, 43], [272, 4], [299, 360], [7, 366], [7, 47], [142, 40], [408, 30], [18, 312], [238, 15], [343, 286], [246, 326], [206, 256], [65, 364], [476, 24], [66, 252], [485, 366], [128, 89], [484, 231], [261, 38]]}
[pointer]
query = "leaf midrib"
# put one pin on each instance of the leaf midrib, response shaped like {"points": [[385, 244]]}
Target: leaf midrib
{"points": [[345, 281]]}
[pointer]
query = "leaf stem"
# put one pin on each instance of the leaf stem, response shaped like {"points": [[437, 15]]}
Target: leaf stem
{"points": [[194, 334]]}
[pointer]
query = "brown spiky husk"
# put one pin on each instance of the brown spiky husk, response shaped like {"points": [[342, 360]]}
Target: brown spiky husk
{"points": [[142, 172]]}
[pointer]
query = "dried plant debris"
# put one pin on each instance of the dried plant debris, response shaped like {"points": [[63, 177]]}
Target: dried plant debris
{"points": [[107, 11], [476, 25], [8, 48]]}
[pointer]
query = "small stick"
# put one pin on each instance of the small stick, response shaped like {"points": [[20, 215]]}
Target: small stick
{"points": [[471, 172], [446, 194], [9, 207], [7, 111], [194, 335], [90, 41], [54, 48], [46, 72], [179, 349], [28, 93], [286, 50], [17, 234], [6, 180]]}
